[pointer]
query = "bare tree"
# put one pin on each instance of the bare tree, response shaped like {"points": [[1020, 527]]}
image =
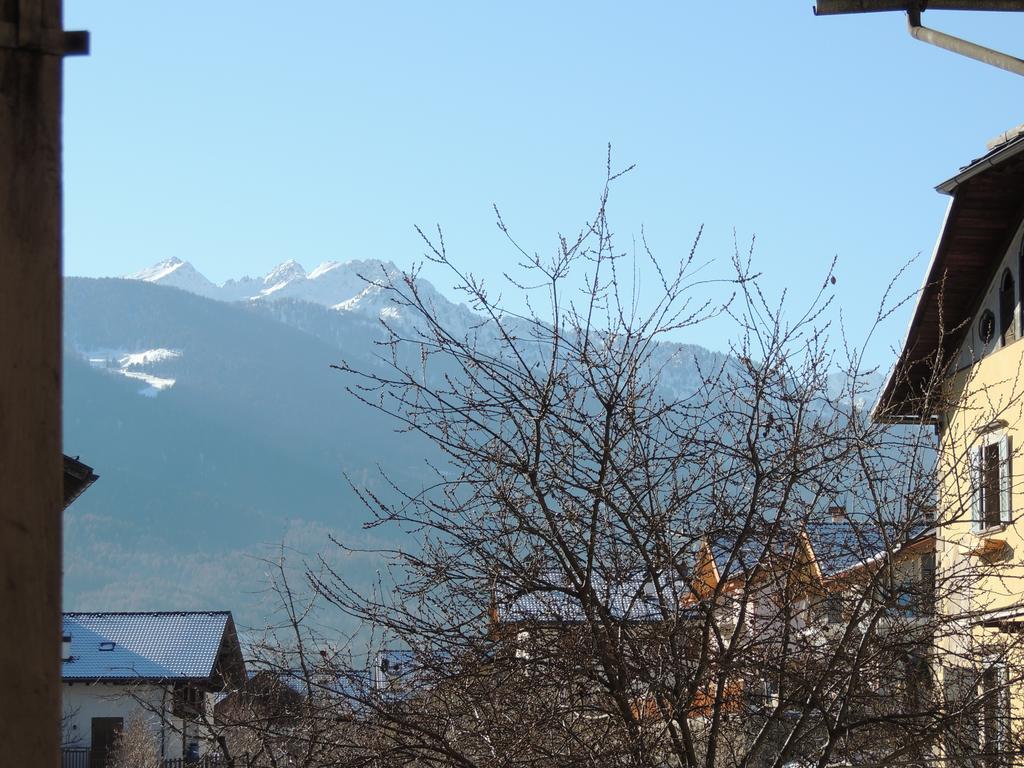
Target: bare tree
{"points": [[621, 565], [135, 746], [294, 710], [68, 738]]}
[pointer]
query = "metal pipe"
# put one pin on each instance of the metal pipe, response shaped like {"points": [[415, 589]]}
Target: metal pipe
{"points": [[963, 47], [832, 7]]}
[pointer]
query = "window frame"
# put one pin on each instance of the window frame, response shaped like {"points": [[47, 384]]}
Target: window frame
{"points": [[987, 320], [995, 715], [982, 487]]}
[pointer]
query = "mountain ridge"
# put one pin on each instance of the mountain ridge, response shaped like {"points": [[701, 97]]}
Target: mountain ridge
{"points": [[220, 431], [330, 283]]}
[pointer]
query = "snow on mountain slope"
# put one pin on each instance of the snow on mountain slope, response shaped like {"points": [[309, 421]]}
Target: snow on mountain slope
{"points": [[148, 357], [355, 291], [128, 364], [242, 289], [332, 282], [281, 276], [154, 384]]}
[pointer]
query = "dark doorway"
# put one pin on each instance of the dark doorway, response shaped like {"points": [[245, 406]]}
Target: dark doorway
{"points": [[104, 732]]}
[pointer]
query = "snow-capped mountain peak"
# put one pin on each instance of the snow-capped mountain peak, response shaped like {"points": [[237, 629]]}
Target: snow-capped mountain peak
{"points": [[285, 273], [177, 274], [339, 284], [158, 271]]}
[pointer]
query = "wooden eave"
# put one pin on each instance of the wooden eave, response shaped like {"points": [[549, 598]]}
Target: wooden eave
{"points": [[77, 477], [982, 218], [705, 572], [229, 666], [810, 559]]}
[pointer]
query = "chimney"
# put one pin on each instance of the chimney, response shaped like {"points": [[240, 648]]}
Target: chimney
{"points": [[838, 514], [65, 647]]}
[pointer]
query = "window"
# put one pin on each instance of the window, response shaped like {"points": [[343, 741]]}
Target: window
{"points": [[961, 738], [990, 485], [834, 608], [1020, 270], [995, 715], [905, 593], [1007, 305], [991, 482], [928, 583], [897, 597], [187, 701], [980, 707], [765, 694], [986, 326]]}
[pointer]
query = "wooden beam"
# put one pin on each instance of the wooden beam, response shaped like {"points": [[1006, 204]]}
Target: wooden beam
{"points": [[55, 42], [31, 463], [833, 7]]}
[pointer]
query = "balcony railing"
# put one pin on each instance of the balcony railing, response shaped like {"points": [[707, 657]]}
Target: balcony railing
{"points": [[87, 758]]}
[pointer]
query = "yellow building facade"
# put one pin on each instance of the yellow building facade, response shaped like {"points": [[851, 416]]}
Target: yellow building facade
{"points": [[961, 372]]}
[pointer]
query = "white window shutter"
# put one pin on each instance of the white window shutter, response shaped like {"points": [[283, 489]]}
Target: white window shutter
{"points": [[1005, 480], [976, 484]]}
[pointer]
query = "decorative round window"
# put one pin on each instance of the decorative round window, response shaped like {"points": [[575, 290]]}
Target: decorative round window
{"points": [[987, 326]]}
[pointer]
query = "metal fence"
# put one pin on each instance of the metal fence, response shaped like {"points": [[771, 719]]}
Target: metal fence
{"points": [[84, 758], [75, 758]]}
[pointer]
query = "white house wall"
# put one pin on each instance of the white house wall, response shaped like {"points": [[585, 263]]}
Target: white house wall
{"points": [[81, 702]]}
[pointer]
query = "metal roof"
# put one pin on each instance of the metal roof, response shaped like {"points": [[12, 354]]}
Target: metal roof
{"points": [[627, 599], [145, 646]]}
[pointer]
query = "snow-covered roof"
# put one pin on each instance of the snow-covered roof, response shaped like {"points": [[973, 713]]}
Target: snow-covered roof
{"points": [[626, 598], [180, 645]]}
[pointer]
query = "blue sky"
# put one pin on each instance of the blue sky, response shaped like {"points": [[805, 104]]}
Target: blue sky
{"points": [[238, 135]]}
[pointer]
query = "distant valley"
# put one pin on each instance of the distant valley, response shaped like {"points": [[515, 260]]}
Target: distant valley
{"points": [[220, 431]]}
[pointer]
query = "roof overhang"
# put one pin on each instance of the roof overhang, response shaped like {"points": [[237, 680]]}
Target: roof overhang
{"points": [[77, 477], [1011, 618], [229, 666], [986, 208], [132, 680]]}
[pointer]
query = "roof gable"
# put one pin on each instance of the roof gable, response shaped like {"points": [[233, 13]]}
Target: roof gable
{"points": [[984, 214], [147, 646]]}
